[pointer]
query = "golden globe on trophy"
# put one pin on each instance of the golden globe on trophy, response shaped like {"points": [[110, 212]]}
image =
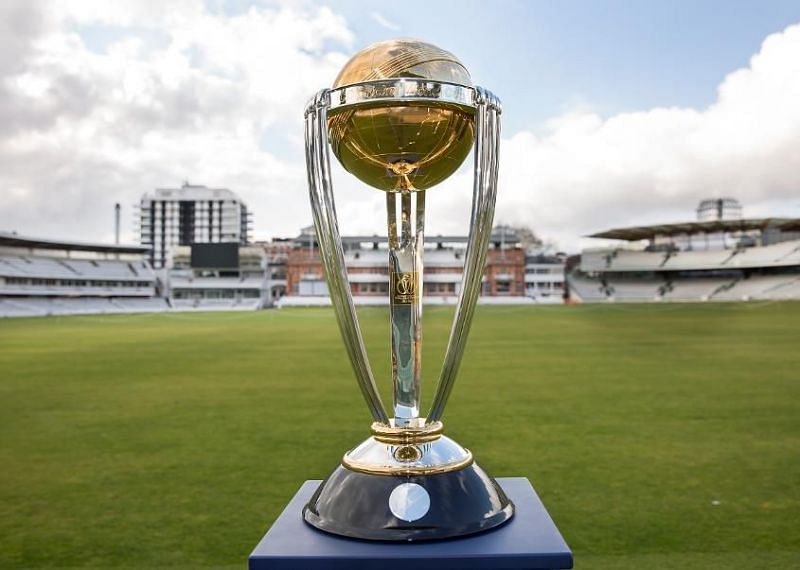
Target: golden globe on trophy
{"points": [[402, 116]]}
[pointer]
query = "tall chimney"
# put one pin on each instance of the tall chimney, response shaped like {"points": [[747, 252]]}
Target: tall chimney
{"points": [[116, 223]]}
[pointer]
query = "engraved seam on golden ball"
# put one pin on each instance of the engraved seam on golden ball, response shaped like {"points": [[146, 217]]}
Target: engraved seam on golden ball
{"points": [[397, 145]]}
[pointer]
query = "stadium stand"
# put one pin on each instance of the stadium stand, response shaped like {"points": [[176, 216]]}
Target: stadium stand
{"points": [[40, 277], [693, 289], [754, 287], [30, 307], [618, 259], [708, 260]]}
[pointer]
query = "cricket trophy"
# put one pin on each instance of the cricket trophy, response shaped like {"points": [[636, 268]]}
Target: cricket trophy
{"points": [[402, 116]]}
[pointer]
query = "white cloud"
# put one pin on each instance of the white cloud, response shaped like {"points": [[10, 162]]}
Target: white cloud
{"points": [[81, 129], [586, 173], [381, 20], [99, 105]]}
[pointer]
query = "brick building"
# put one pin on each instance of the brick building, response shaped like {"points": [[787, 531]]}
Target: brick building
{"points": [[366, 258]]}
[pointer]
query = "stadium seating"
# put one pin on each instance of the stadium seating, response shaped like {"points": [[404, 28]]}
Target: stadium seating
{"points": [[216, 304], [145, 305], [787, 289], [215, 282], [756, 287], [622, 260], [626, 260], [597, 259], [684, 260], [39, 307], [741, 273], [40, 285], [776, 255], [644, 290], [53, 268], [694, 289], [786, 253], [14, 308], [98, 277], [56, 268], [587, 289], [753, 288]]}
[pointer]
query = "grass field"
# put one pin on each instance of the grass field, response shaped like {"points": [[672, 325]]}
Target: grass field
{"points": [[658, 436]]}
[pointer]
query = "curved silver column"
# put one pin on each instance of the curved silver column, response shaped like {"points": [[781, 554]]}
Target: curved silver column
{"points": [[405, 256], [484, 194], [330, 249]]}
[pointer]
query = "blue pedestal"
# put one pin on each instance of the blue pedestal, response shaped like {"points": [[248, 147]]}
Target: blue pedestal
{"points": [[530, 540]]}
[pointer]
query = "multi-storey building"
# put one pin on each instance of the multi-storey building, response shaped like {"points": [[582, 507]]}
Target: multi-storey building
{"points": [[545, 276], [719, 209], [190, 214]]}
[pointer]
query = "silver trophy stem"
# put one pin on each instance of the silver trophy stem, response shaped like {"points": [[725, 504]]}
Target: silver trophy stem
{"points": [[405, 295], [330, 249], [487, 146]]}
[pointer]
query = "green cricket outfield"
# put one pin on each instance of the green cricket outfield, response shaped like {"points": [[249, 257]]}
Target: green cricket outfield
{"points": [[658, 436]]}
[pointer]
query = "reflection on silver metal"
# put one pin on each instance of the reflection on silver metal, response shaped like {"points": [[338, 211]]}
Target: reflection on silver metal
{"points": [[484, 194], [406, 90], [409, 502], [330, 249], [406, 228], [376, 457], [405, 220]]}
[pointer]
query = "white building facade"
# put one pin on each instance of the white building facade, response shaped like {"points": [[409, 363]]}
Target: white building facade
{"points": [[214, 276], [544, 277], [190, 214]]}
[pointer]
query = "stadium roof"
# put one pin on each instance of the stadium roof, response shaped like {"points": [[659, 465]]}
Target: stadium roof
{"points": [[14, 240], [710, 226]]}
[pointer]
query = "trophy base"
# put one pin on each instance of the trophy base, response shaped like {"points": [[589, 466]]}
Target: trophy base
{"points": [[408, 508]]}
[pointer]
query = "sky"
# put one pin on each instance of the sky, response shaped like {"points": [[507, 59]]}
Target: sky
{"points": [[614, 113]]}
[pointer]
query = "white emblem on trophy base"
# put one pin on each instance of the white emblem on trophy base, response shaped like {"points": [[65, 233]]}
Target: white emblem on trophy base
{"points": [[409, 502]]}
